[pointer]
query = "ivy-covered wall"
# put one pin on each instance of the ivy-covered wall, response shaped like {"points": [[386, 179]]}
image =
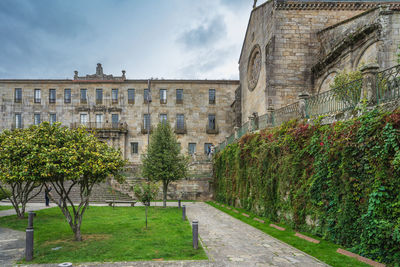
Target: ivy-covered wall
{"points": [[338, 181]]}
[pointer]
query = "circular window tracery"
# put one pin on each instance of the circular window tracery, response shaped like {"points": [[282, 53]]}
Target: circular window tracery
{"points": [[254, 67]]}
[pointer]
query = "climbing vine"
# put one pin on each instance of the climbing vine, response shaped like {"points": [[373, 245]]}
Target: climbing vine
{"points": [[338, 181]]}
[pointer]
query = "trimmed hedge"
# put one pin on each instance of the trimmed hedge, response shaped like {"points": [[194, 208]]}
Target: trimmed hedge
{"points": [[339, 181]]}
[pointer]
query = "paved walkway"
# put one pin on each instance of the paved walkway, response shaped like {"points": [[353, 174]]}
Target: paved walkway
{"points": [[227, 241]]}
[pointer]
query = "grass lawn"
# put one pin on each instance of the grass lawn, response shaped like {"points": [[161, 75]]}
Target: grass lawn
{"points": [[324, 251], [6, 207], [111, 234]]}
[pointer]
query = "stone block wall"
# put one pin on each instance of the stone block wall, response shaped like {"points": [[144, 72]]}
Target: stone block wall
{"points": [[288, 36]]}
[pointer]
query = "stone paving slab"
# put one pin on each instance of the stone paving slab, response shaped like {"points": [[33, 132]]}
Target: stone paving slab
{"points": [[12, 246]]}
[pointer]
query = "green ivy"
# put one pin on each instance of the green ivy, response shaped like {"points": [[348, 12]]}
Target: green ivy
{"points": [[338, 181]]}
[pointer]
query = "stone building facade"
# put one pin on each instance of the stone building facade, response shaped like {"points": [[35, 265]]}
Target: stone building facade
{"points": [[292, 47], [116, 109]]}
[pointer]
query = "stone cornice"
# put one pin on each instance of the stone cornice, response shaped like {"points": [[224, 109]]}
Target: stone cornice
{"points": [[68, 81], [332, 5]]}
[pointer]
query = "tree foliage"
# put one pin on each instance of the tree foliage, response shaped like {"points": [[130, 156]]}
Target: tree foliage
{"points": [[60, 157], [347, 86], [19, 167], [163, 161], [75, 158], [338, 181]]}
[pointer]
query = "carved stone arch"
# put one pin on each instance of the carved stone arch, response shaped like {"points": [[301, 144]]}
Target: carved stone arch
{"points": [[367, 47], [328, 78], [254, 67]]}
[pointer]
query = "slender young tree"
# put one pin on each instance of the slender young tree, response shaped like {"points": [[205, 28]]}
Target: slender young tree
{"points": [[163, 161], [145, 192], [19, 169]]}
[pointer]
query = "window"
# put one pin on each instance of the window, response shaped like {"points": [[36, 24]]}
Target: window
{"points": [[18, 121], [67, 96], [207, 147], [99, 96], [37, 96], [179, 96], [180, 121], [131, 96], [99, 120], [211, 122], [36, 119], [115, 120], [163, 118], [114, 96], [18, 95], [84, 119], [146, 96], [84, 96], [192, 148], [135, 147], [146, 122], [52, 96], [163, 96], [53, 118], [211, 96]]}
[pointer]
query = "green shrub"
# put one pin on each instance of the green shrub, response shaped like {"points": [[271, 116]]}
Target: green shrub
{"points": [[4, 193], [339, 181]]}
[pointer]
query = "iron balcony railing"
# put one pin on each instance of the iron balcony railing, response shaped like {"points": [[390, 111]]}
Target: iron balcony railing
{"points": [[388, 85], [101, 125], [335, 100]]}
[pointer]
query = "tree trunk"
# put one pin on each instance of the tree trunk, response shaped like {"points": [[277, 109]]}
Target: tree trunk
{"points": [[165, 187], [77, 232]]}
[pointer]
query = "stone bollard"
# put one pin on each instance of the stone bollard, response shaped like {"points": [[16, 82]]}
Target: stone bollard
{"points": [[183, 212], [195, 231], [29, 237], [179, 203]]}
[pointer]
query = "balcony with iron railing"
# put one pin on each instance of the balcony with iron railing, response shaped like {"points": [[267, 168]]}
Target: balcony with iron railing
{"points": [[144, 129], [212, 129], [180, 128], [101, 126]]}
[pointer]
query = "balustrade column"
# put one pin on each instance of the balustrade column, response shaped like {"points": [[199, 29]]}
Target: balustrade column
{"points": [[368, 89], [303, 104]]}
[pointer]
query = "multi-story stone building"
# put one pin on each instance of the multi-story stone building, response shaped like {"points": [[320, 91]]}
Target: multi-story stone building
{"points": [[117, 109]]}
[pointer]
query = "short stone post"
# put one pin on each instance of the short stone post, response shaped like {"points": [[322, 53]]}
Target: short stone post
{"points": [[368, 89], [179, 203], [29, 237], [303, 104], [195, 231], [270, 112], [183, 212]]}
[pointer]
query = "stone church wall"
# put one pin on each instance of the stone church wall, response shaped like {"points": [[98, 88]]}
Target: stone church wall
{"points": [[371, 37], [288, 43]]}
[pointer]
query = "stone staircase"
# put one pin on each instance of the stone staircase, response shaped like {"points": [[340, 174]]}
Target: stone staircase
{"points": [[100, 193], [197, 186]]}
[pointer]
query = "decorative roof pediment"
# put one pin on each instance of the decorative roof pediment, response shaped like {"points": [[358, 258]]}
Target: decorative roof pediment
{"points": [[99, 76]]}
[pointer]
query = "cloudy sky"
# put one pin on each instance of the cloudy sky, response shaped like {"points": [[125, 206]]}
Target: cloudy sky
{"points": [[186, 39]]}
